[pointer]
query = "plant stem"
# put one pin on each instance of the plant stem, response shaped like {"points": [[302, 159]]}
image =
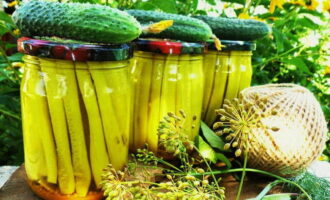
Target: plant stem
{"points": [[243, 176], [9, 114], [254, 7], [209, 168], [267, 188], [247, 6], [139, 182], [278, 56], [288, 17], [168, 164], [3, 53], [253, 171]]}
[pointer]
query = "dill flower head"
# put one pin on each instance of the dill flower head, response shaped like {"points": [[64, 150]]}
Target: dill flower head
{"points": [[117, 186], [112, 184], [173, 138], [236, 122]]}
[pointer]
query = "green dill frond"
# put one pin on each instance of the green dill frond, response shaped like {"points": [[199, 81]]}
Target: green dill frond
{"points": [[317, 188]]}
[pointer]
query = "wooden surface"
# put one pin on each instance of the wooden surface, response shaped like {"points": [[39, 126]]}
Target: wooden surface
{"points": [[16, 187]]}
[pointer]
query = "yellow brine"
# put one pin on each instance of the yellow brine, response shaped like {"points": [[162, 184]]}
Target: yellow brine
{"points": [[226, 72], [76, 108], [166, 80]]}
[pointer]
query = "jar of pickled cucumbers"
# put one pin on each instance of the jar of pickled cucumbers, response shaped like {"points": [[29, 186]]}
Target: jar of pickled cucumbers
{"points": [[168, 78], [76, 110], [226, 72]]}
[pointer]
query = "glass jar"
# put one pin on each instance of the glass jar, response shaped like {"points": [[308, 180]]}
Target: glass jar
{"points": [[226, 72], [76, 110], [168, 77]]}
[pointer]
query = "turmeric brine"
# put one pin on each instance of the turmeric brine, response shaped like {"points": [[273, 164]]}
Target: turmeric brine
{"points": [[76, 115]]}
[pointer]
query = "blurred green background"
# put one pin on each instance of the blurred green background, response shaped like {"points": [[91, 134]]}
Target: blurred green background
{"points": [[297, 51]]}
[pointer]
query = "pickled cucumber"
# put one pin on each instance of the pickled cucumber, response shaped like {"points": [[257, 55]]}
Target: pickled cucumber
{"points": [[218, 86], [55, 92], [116, 140], [135, 73], [234, 75], [75, 125], [197, 88], [154, 103], [98, 151], [183, 95], [142, 102], [34, 155], [210, 63], [168, 89], [246, 70], [117, 80]]}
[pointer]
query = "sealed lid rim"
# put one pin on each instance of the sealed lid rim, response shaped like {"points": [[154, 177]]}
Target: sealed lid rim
{"points": [[158, 56], [75, 51], [232, 45], [163, 46]]}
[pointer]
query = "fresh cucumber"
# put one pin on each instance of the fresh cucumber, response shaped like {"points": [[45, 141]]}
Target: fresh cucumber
{"points": [[184, 28], [86, 22], [236, 29]]}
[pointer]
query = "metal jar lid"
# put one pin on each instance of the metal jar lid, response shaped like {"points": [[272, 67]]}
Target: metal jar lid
{"points": [[234, 45], [74, 51], [169, 47]]}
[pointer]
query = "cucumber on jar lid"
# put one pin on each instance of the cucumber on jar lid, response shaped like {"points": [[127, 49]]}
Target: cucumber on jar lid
{"points": [[236, 29], [184, 28], [85, 22]]}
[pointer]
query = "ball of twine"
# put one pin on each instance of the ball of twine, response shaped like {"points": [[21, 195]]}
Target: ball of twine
{"points": [[293, 131]]}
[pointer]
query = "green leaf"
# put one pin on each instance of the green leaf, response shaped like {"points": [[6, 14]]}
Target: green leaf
{"points": [[312, 12], [168, 6], [299, 63], [266, 189], [307, 23], [200, 12], [145, 6], [212, 2], [214, 140], [9, 45], [279, 38], [6, 18], [8, 113], [315, 19], [224, 159], [205, 150], [3, 28], [194, 5], [15, 57], [235, 1], [284, 196]]}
